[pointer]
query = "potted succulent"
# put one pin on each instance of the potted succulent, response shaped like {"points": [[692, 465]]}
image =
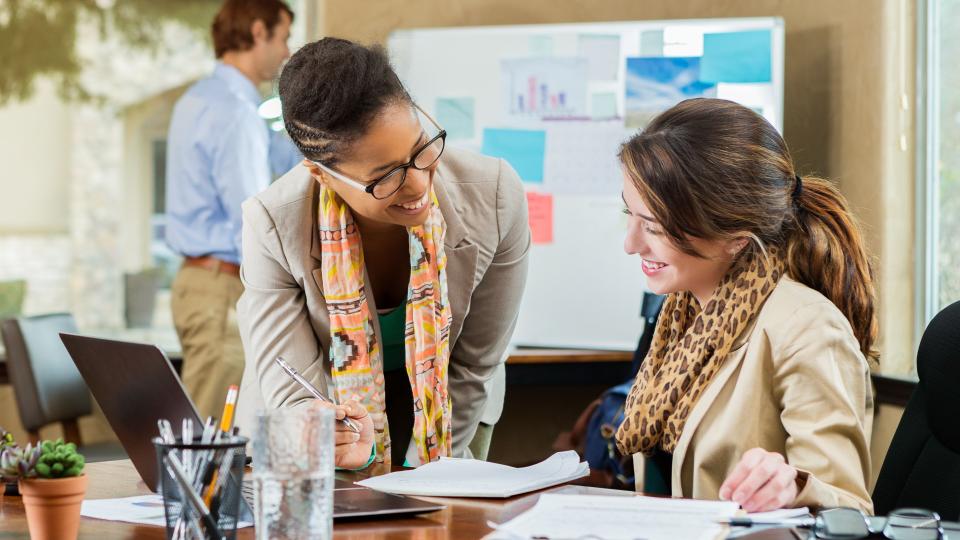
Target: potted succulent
{"points": [[10, 484], [52, 485]]}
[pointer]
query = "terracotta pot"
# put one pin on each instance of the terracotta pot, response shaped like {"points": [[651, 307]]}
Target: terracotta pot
{"points": [[53, 506]]}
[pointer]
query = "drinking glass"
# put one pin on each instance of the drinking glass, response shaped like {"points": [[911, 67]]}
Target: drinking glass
{"points": [[293, 473]]}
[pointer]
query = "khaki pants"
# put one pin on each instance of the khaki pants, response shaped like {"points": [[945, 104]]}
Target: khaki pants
{"points": [[204, 305]]}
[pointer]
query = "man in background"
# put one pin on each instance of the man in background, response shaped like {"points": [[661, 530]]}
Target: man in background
{"points": [[218, 155]]}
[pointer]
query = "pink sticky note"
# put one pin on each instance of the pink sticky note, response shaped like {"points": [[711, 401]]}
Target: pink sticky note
{"points": [[540, 207]]}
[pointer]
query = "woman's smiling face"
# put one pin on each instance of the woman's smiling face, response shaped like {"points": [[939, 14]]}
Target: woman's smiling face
{"points": [[394, 136], [668, 268]]}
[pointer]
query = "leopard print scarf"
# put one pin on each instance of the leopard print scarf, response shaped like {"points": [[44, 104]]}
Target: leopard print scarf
{"points": [[688, 348]]}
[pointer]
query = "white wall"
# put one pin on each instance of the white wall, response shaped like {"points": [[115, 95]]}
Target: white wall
{"points": [[35, 153]]}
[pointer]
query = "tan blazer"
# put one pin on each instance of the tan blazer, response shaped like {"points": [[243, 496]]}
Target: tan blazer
{"points": [[282, 310], [795, 383]]}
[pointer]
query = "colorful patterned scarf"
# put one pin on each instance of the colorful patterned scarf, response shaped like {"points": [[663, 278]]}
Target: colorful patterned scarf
{"points": [[689, 346], [355, 356]]}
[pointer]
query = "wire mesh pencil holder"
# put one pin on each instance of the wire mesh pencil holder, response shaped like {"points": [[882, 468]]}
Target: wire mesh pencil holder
{"points": [[202, 487]]}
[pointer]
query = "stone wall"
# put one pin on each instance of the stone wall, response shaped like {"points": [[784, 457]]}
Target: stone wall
{"points": [[43, 260]]}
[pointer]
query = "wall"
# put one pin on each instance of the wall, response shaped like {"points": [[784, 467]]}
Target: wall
{"points": [[847, 66], [143, 123], [43, 261], [35, 153]]}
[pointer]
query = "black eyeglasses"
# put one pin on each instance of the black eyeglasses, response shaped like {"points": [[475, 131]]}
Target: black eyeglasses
{"points": [[393, 180], [903, 524]]}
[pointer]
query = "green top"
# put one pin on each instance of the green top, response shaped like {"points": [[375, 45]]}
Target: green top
{"points": [[392, 339]]}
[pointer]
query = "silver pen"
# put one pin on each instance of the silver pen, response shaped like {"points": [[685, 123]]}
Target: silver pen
{"points": [[313, 390], [186, 437], [166, 431]]}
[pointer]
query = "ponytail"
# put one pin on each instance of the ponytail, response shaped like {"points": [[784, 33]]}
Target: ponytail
{"points": [[825, 251]]}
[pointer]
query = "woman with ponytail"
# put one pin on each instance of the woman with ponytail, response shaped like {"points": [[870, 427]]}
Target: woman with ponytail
{"points": [[756, 388]]}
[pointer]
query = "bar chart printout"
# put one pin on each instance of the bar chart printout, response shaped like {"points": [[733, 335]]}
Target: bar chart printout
{"points": [[545, 88]]}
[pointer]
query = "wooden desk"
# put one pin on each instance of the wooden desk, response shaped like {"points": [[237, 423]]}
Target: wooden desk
{"points": [[462, 519]]}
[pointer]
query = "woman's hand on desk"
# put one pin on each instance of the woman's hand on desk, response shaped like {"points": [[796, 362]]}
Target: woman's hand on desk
{"points": [[352, 450], [762, 481]]}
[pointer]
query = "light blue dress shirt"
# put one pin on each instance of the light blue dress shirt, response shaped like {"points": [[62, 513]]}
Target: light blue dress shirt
{"points": [[284, 155], [218, 154]]}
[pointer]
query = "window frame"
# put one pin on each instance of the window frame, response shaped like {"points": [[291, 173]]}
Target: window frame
{"points": [[927, 173]]}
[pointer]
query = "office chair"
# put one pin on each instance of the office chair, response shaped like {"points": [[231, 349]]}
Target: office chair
{"points": [[649, 312], [140, 296], [922, 466], [46, 384]]}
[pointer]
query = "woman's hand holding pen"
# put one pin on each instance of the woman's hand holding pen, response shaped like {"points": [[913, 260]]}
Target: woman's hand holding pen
{"points": [[352, 450]]}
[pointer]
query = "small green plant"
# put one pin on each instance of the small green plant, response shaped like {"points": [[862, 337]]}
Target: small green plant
{"points": [[59, 460], [6, 439], [17, 462]]}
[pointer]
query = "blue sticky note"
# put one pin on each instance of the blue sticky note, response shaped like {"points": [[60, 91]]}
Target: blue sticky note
{"points": [[523, 149], [736, 57], [456, 116]]}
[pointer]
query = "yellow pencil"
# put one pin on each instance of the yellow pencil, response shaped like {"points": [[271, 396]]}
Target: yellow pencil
{"points": [[226, 421], [226, 425]]}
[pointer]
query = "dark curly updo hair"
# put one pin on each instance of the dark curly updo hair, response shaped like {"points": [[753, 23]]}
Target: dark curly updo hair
{"points": [[331, 91]]}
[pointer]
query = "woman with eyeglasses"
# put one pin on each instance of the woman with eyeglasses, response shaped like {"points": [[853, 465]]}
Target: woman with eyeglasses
{"points": [[387, 269], [756, 388]]}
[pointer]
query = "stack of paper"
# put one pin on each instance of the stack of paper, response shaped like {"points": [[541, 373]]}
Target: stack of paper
{"points": [[593, 516], [455, 477]]}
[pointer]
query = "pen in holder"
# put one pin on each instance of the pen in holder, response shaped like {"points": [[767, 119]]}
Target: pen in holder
{"points": [[201, 486]]}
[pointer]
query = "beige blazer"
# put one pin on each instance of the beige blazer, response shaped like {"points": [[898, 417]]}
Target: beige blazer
{"points": [[795, 383], [282, 310]]}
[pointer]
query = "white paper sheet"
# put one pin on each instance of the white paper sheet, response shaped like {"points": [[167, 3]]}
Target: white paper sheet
{"points": [[612, 518], [683, 41], [581, 157], [455, 477], [757, 96], [603, 55], [783, 513], [141, 509]]}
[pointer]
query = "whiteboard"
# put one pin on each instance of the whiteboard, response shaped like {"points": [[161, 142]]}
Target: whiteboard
{"points": [[570, 93]]}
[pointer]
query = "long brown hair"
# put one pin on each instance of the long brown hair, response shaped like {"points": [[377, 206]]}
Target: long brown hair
{"points": [[714, 169]]}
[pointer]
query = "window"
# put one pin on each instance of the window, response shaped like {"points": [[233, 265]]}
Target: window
{"points": [[939, 136], [163, 258]]}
